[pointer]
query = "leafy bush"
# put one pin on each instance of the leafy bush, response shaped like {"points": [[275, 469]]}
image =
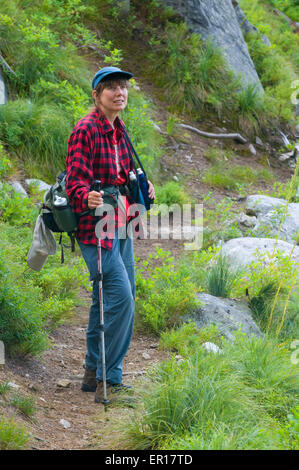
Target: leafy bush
{"points": [[163, 294], [12, 435], [32, 303], [188, 338], [5, 163], [171, 193], [21, 323], [14, 208]]}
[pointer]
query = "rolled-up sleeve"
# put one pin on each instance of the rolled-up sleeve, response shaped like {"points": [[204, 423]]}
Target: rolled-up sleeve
{"points": [[79, 169]]}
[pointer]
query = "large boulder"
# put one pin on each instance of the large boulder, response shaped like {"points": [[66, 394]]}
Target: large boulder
{"points": [[3, 93], [241, 252], [218, 19], [227, 314], [270, 212], [39, 184], [18, 187]]}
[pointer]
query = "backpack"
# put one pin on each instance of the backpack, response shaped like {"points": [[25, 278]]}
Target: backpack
{"points": [[57, 213]]}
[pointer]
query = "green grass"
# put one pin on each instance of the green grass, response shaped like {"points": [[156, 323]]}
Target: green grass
{"points": [[278, 64], [25, 404], [232, 177], [239, 399], [221, 277]]}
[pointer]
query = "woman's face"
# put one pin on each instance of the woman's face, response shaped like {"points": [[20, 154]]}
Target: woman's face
{"points": [[113, 98]]}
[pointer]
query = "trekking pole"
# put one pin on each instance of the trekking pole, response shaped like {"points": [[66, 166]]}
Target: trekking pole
{"points": [[97, 187]]}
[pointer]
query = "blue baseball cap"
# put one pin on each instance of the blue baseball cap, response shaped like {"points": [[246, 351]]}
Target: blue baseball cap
{"points": [[111, 72]]}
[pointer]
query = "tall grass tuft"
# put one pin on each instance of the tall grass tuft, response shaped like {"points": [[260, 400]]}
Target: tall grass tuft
{"points": [[37, 133], [221, 277]]}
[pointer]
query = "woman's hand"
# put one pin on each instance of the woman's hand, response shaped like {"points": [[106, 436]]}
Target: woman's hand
{"points": [[151, 190], [95, 199]]}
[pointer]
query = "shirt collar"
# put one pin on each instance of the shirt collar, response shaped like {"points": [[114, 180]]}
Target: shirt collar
{"points": [[105, 124]]}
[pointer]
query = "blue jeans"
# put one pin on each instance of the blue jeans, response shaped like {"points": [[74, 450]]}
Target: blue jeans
{"points": [[118, 306]]}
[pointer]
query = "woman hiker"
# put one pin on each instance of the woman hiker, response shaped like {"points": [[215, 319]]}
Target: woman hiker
{"points": [[98, 150]]}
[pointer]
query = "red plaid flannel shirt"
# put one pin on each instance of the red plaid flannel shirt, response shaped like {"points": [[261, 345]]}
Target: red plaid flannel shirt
{"points": [[90, 157]]}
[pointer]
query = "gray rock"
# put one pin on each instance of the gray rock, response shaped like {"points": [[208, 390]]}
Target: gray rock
{"points": [[241, 252], [211, 347], [269, 212], [285, 157], [246, 221], [63, 383], [260, 205], [13, 385], [227, 314], [146, 356], [3, 92], [252, 149], [218, 19], [66, 424], [16, 185], [41, 185], [259, 142]]}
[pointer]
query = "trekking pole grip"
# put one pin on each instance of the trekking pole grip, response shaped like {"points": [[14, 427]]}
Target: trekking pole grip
{"points": [[97, 185]]}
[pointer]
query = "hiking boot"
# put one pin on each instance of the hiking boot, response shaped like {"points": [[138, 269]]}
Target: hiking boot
{"points": [[99, 395], [89, 383]]}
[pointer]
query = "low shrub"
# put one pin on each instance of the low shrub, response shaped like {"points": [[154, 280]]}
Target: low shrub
{"points": [[171, 193], [14, 208], [163, 294], [12, 435], [21, 322]]}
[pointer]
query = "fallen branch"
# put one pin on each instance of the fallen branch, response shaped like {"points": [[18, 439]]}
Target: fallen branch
{"points": [[211, 135], [6, 65]]}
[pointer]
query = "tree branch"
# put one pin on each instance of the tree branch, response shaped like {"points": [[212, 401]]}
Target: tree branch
{"points": [[237, 137], [6, 65]]}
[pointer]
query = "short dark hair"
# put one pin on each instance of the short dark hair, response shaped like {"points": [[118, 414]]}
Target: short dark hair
{"points": [[110, 82]]}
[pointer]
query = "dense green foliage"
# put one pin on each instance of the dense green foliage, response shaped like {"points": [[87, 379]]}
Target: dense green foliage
{"points": [[31, 303], [51, 81], [164, 293]]}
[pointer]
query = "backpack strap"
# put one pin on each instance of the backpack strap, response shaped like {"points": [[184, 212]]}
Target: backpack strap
{"points": [[133, 151]]}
